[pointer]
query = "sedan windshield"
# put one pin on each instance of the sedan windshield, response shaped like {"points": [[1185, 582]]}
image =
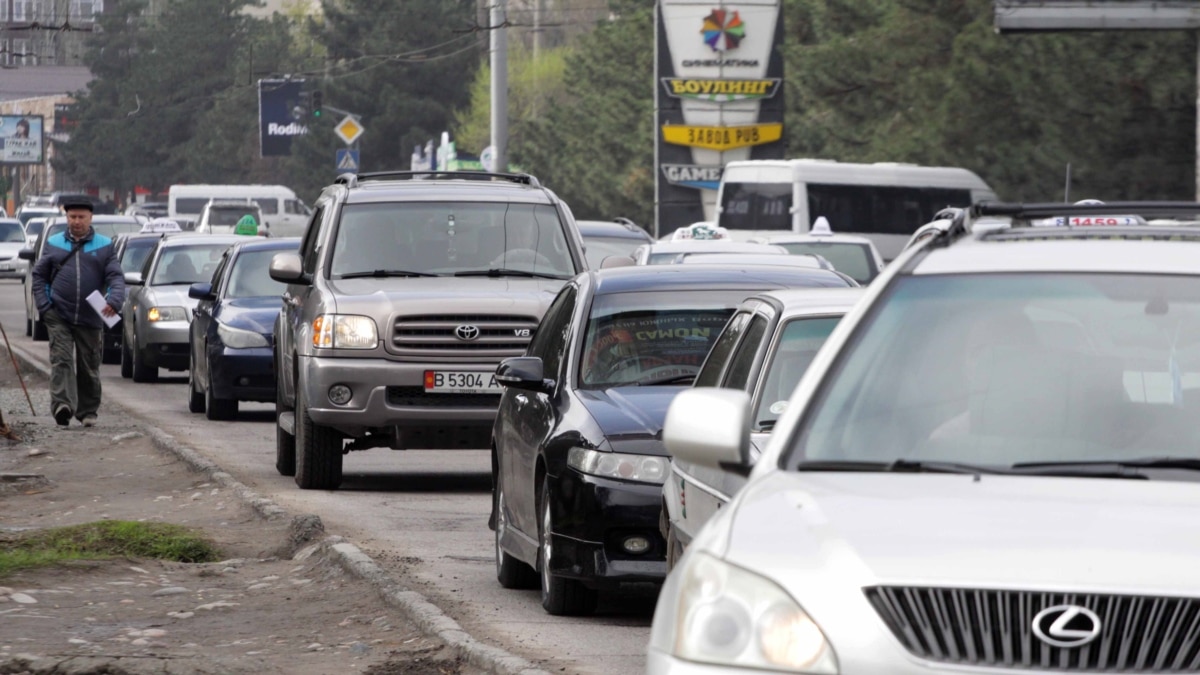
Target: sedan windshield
{"points": [[187, 264], [599, 248], [447, 238], [797, 346], [652, 337], [250, 278], [1002, 369]]}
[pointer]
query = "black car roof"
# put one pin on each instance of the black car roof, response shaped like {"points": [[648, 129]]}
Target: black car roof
{"points": [[601, 228], [716, 277]]}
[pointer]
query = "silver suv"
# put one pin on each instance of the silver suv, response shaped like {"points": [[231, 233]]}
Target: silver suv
{"points": [[408, 290]]}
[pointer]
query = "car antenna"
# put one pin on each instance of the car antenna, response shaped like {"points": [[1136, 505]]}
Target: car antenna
{"points": [[1067, 187]]}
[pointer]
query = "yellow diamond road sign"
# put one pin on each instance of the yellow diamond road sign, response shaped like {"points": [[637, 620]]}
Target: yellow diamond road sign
{"points": [[348, 130]]}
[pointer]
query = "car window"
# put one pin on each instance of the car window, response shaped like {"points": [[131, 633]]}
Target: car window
{"points": [[798, 344], [268, 205], [710, 374], [634, 337], [230, 216], [187, 264], [11, 232], [249, 277], [997, 369], [135, 252], [853, 260], [550, 341], [218, 275], [599, 248], [450, 237], [738, 373], [312, 236]]}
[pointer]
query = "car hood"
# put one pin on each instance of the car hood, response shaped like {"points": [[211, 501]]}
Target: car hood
{"points": [[954, 530], [629, 416], [446, 295], [170, 295], [254, 314]]}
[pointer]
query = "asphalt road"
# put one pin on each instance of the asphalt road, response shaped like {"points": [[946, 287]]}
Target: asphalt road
{"points": [[422, 515]]}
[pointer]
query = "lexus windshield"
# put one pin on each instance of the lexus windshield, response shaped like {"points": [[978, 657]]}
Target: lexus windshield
{"points": [[1005, 369]]}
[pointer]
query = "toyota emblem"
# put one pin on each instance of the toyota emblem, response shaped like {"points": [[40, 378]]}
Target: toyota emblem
{"points": [[1066, 626], [466, 332]]}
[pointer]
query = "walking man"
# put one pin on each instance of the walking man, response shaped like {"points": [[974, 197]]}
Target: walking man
{"points": [[74, 264]]}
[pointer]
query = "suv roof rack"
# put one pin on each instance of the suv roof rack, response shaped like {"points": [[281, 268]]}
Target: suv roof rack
{"points": [[353, 179], [1023, 213]]}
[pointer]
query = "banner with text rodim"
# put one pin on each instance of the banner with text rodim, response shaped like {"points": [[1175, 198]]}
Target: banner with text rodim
{"points": [[278, 101], [718, 98]]}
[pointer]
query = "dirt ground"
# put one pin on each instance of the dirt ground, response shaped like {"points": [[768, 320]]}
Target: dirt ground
{"points": [[274, 605]]}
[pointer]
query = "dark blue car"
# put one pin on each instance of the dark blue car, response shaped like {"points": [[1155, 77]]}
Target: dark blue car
{"points": [[233, 330]]}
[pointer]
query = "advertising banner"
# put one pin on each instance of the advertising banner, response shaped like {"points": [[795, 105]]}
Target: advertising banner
{"points": [[719, 98], [21, 139], [278, 108]]}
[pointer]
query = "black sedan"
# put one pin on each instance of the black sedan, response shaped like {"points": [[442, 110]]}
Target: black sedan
{"points": [[233, 328], [577, 458]]}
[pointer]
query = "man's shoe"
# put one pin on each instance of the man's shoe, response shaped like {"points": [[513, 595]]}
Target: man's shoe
{"points": [[89, 421], [62, 414]]}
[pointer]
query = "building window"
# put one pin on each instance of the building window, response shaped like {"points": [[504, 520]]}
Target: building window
{"points": [[5, 56], [19, 10], [83, 11], [22, 53]]}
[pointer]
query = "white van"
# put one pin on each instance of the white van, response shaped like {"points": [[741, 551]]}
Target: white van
{"points": [[283, 213], [885, 202]]}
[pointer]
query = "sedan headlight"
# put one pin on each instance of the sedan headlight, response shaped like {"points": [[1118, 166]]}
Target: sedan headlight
{"points": [[343, 331], [731, 617], [236, 338], [166, 314], [640, 468]]}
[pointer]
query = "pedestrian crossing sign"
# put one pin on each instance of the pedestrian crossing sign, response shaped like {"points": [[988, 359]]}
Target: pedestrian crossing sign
{"points": [[346, 160]]}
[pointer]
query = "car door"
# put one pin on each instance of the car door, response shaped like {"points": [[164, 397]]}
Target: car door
{"points": [[204, 318], [295, 299], [532, 416]]}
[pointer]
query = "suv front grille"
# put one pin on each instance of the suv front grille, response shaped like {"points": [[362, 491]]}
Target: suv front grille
{"points": [[437, 335], [995, 628], [418, 397]]}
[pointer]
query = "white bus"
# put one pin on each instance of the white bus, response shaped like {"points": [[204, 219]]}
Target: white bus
{"points": [[282, 212], [885, 202]]}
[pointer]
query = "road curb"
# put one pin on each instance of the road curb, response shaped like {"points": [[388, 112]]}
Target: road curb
{"points": [[417, 608]]}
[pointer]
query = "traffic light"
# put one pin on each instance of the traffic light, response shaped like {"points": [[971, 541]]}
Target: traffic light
{"points": [[315, 103]]}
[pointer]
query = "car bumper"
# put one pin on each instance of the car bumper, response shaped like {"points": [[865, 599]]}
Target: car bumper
{"points": [[391, 394], [242, 374], [862, 663], [592, 516], [165, 343]]}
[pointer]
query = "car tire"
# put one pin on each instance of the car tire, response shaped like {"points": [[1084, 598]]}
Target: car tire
{"points": [[40, 334], [142, 371], [560, 596], [196, 402], [318, 450], [510, 572], [218, 409], [126, 361], [285, 443]]}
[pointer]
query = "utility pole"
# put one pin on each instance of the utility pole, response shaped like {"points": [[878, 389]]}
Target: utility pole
{"points": [[499, 63]]}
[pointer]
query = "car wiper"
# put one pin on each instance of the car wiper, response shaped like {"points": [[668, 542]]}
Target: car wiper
{"points": [[379, 274], [507, 272], [671, 379], [896, 466], [1112, 465]]}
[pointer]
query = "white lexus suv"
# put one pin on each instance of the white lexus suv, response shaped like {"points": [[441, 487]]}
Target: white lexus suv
{"points": [[992, 465]]}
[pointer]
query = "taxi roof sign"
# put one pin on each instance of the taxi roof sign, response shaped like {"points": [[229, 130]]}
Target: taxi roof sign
{"points": [[700, 231], [161, 226]]}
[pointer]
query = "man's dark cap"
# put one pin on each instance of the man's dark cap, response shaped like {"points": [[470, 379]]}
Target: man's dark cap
{"points": [[78, 204]]}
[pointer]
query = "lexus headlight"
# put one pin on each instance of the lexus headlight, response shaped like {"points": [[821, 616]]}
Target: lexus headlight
{"points": [[342, 331], [236, 338], [640, 468], [166, 314], [731, 617]]}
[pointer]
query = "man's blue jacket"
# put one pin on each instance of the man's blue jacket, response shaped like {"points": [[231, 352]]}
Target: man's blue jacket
{"points": [[69, 270]]}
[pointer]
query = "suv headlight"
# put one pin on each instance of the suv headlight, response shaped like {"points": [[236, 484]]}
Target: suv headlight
{"points": [[166, 314], [236, 338], [731, 617], [640, 468], [344, 331]]}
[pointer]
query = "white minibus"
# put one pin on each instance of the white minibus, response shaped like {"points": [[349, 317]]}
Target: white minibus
{"points": [[885, 202], [283, 213]]}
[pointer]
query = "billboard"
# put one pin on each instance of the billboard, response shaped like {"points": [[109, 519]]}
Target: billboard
{"points": [[21, 139], [278, 101], [718, 98], [1016, 16]]}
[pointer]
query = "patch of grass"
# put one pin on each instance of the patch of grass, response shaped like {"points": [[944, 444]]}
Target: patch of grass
{"points": [[104, 539]]}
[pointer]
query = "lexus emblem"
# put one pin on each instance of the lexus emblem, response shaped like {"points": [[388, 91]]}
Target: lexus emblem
{"points": [[1066, 626], [466, 332]]}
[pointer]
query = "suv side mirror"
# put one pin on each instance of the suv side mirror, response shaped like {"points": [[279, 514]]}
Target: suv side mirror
{"points": [[287, 268], [523, 372], [25, 254], [201, 290]]}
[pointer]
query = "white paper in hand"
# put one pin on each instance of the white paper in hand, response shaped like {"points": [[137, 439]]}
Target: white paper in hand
{"points": [[98, 303]]}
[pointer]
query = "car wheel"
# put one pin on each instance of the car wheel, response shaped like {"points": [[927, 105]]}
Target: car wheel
{"points": [[142, 371], [126, 361], [510, 572], [218, 408], [318, 450], [196, 401], [40, 334], [560, 597], [285, 443]]}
